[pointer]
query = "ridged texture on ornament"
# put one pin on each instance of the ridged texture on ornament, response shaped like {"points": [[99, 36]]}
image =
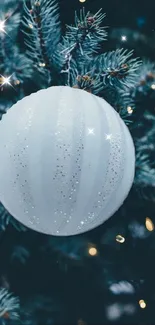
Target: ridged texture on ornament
{"points": [[67, 161]]}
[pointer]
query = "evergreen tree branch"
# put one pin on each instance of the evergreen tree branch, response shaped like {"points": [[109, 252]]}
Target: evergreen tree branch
{"points": [[41, 40], [116, 68], [11, 20], [82, 40], [9, 305], [145, 81]]}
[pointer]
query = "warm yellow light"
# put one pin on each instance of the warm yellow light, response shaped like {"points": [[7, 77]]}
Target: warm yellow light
{"points": [[149, 224], [142, 304], [120, 239], [153, 86], [129, 110], [16, 82], [92, 251], [82, 0]]}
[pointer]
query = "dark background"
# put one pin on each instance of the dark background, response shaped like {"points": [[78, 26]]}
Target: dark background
{"points": [[123, 17], [120, 13]]}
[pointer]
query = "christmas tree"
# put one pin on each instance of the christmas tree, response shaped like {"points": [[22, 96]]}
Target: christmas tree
{"points": [[105, 276]]}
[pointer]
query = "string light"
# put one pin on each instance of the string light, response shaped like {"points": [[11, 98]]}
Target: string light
{"points": [[123, 38], [2, 25], [149, 224], [92, 251], [142, 304], [120, 239], [42, 64], [129, 110], [153, 86], [16, 82]]}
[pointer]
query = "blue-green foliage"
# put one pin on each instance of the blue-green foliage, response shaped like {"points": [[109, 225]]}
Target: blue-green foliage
{"points": [[8, 304], [41, 28], [116, 68]]}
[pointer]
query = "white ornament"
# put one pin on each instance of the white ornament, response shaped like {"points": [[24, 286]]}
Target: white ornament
{"points": [[67, 161]]}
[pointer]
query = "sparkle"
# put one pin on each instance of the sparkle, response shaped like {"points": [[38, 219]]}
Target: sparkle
{"points": [[91, 131], [82, 222], [6, 81], [123, 38], [108, 136], [2, 25], [142, 304]]}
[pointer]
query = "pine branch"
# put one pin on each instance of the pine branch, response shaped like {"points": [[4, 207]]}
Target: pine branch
{"points": [[6, 219], [10, 19], [9, 306], [19, 67], [82, 79], [145, 157], [87, 34], [119, 98], [116, 68], [12, 62], [43, 35], [81, 40], [145, 81]]}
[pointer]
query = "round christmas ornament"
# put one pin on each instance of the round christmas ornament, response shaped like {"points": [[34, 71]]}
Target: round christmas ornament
{"points": [[67, 161]]}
